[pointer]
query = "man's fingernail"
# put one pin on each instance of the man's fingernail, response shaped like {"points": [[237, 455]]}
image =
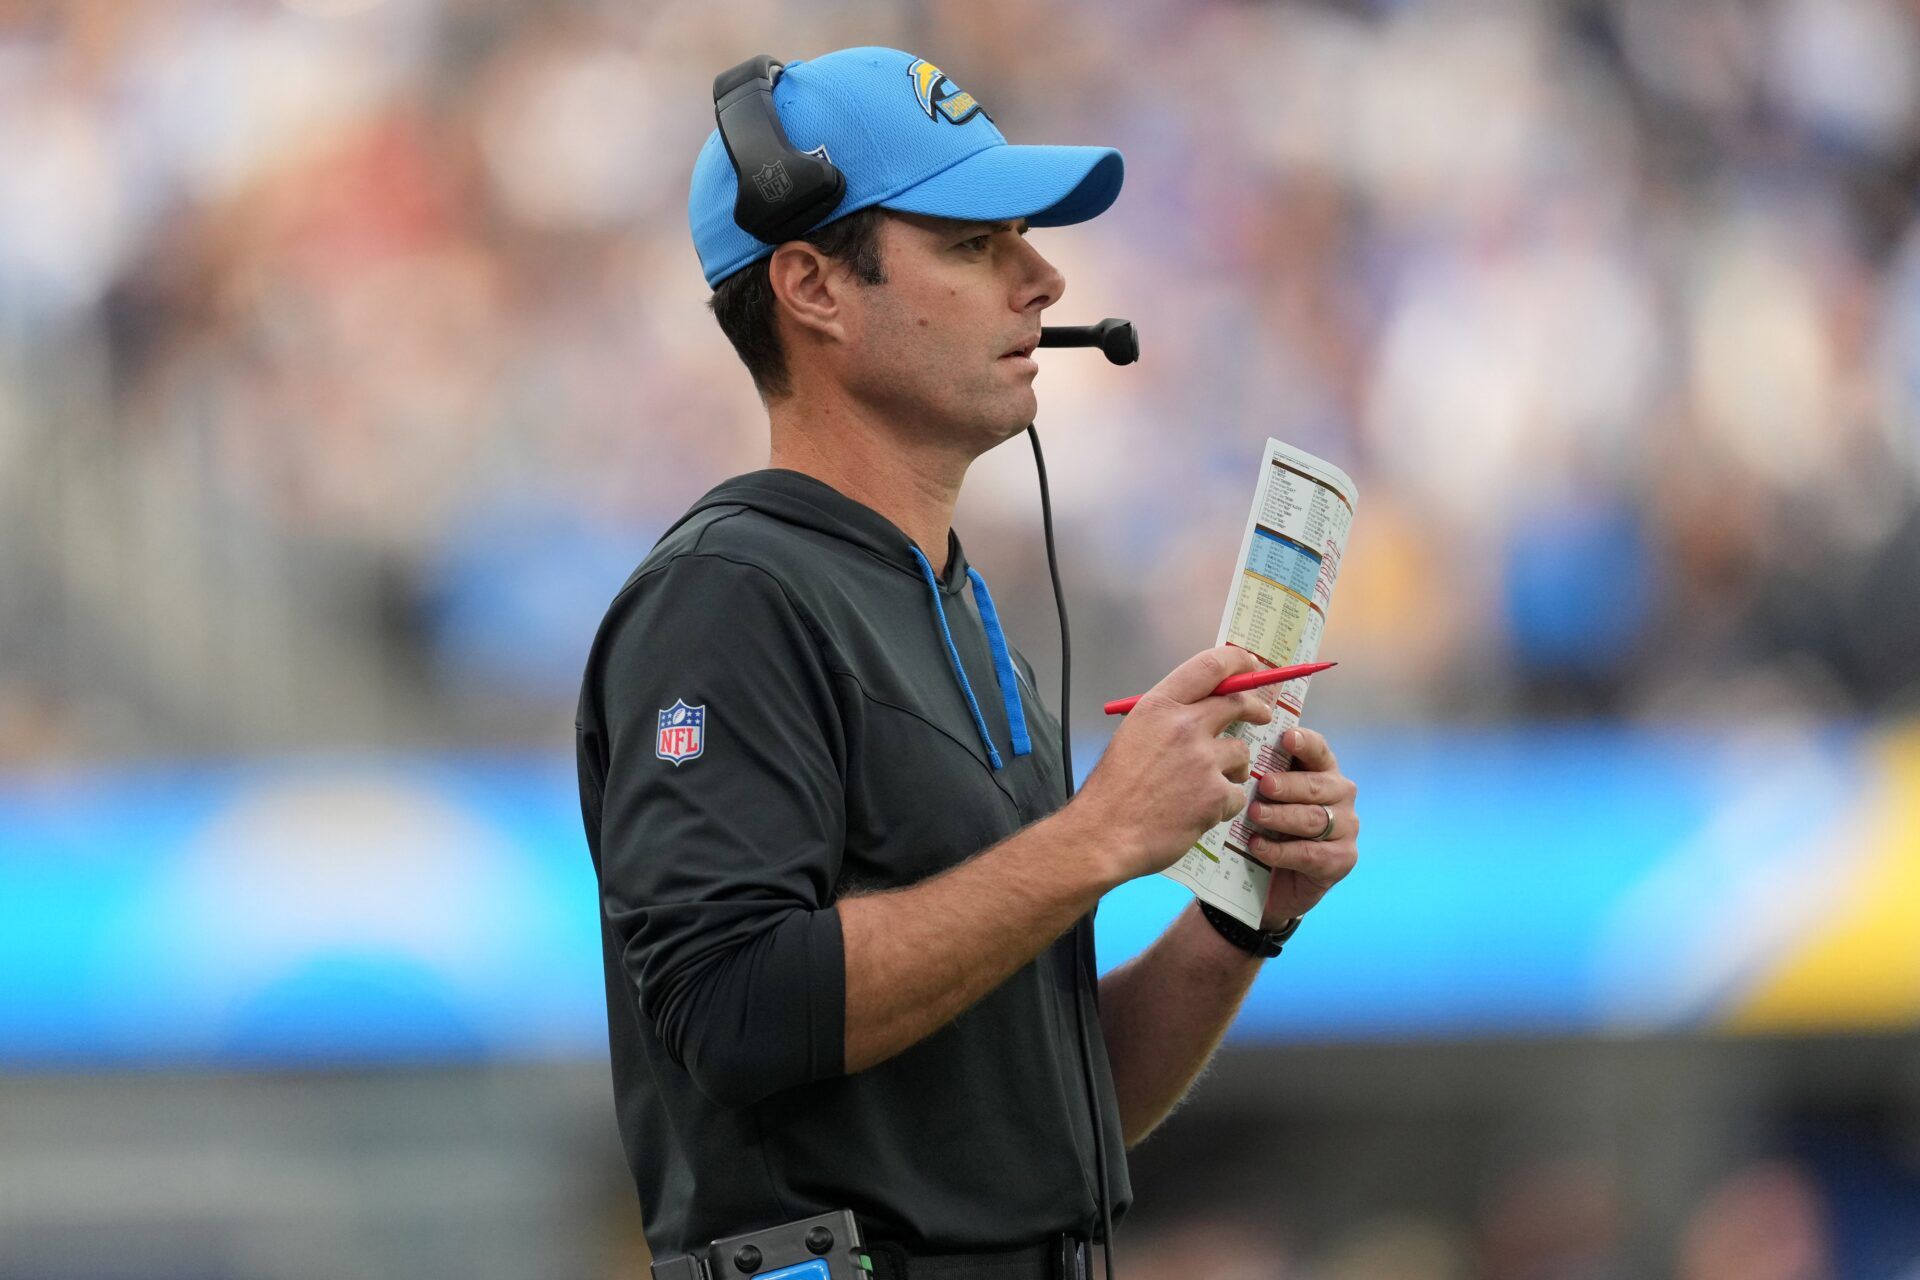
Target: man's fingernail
{"points": [[1291, 739]]}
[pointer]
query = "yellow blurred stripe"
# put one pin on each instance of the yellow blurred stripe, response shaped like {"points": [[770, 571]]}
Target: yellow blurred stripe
{"points": [[1862, 967]]}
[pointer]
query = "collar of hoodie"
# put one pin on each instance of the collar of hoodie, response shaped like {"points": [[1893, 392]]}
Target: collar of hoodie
{"points": [[801, 499]]}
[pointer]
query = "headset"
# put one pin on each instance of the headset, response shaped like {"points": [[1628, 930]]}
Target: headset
{"points": [[755, 140]]}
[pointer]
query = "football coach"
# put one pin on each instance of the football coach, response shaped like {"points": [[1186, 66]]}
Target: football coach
{"points": [[845, 903]]}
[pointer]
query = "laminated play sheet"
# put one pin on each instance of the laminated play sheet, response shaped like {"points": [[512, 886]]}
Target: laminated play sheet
{"points": [[1277, 610]]}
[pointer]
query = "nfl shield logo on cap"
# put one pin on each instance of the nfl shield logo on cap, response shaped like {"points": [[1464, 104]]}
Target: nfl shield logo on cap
{"points": [[683, 732]]}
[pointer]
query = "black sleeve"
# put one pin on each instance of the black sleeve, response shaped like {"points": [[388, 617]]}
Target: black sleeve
{"points": [[717, 871]]}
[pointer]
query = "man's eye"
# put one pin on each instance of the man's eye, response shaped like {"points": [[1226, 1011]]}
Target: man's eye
{"points": [[978, 244]]}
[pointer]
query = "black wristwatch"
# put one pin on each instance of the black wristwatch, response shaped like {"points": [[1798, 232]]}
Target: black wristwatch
{"points": [[1259, 942]]}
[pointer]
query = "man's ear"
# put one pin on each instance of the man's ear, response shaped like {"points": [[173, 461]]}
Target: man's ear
{"points": [[809, 286]]}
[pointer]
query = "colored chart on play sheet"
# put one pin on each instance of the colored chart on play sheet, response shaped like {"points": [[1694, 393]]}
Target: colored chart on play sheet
{"points": [[1277, 609], [1274, 606]]}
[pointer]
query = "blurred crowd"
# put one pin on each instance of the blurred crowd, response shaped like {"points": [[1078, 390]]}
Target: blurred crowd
{"points": [[1548, 1220], [352, 352], [1565, 1216], [516, 1173]]}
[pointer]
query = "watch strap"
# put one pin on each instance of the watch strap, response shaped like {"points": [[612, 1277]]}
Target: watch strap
{"points": [[1260, 942]]}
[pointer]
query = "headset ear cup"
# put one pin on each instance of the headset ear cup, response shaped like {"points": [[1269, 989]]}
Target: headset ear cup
{"points": [[761, 66], [782, 192], [819, 186]]}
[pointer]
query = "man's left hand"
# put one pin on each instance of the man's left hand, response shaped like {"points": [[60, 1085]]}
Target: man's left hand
{"points": [[1286, 814]]}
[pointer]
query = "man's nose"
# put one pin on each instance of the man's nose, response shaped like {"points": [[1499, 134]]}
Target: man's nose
{"points": [[1042, 284]]}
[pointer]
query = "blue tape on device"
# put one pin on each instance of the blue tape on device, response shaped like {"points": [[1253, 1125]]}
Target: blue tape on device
{"points": [[814, 1269]]}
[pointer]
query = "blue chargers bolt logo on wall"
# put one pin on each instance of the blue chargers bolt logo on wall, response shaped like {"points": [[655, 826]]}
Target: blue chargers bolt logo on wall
{"points": [[683, 732]]}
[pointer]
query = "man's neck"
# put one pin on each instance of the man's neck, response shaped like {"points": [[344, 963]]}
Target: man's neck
{"points": [[870, 461]]}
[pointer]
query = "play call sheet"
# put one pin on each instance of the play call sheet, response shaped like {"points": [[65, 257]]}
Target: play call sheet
{"points": [[1276, 609]]}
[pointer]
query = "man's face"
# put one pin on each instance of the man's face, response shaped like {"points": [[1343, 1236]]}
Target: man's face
{"points": [[928, 348]]}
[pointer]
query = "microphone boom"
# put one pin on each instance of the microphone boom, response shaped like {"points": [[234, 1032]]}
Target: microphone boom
{"points": [[1117, 339]]}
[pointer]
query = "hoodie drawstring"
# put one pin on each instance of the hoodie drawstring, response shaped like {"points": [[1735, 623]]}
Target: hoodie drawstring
{"points": [[1005, 675]]}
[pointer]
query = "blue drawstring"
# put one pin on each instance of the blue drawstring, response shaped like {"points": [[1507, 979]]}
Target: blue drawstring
{"points": [[1003, 672], [1003, 669]]}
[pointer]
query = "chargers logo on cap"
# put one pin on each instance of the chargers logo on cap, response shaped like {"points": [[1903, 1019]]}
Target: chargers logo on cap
{"points": [[939, 96], [683, 732]]}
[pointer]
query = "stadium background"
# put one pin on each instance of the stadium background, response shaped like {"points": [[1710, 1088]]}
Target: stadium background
{"points": [[353, 351]]}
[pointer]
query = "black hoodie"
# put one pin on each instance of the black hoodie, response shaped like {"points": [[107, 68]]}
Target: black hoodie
{"points": [[785, 702]]}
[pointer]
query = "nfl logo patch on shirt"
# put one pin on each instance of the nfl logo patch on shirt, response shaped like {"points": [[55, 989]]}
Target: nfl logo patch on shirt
{"points": [[683, 732]]}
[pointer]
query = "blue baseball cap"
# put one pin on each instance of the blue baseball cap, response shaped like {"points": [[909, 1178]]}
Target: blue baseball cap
{"points": [[906, 137]]}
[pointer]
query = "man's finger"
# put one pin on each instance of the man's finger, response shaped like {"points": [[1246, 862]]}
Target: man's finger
{"points": [[1235, 758], [1325, 863], [1296, 786], [1309, 750], [1250, 705], [1197, 677], [1232, 801], [1302, 821]]}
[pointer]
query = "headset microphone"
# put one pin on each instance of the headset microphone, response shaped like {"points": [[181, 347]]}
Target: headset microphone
{"points": [[1118, 340], [1115, 337]]}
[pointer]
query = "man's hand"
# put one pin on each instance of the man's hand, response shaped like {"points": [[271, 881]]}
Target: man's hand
{"points": [[1288, 811], [1168, 776]]}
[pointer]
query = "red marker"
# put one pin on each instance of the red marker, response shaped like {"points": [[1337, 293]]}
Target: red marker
{"points": [[1234, 684]]}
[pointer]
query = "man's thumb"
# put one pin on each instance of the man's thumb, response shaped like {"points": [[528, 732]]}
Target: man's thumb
{"points": [[1197, 677]]}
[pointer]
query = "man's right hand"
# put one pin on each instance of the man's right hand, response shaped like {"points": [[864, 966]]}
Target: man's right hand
{"points": [[1168, 776], [917, 956]]}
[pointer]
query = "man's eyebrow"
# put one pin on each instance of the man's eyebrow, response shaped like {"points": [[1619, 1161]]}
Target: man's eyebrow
{"points": [[1011, 224]]}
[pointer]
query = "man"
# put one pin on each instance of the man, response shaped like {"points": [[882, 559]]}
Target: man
{"points": [[841, 894]]}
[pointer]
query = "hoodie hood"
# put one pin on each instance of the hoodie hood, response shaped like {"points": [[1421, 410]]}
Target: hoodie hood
{"points": [[798, 498]]}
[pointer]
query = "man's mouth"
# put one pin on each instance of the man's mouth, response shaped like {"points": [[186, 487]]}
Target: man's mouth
{"points": [[1025, 348]]}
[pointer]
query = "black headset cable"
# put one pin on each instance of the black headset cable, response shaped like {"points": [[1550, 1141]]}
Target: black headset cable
{"points": [[1079, 952]]}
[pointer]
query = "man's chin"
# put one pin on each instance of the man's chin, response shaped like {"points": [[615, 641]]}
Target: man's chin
{"points": [[1000, 418], [1006, 428], [1026, 407]]}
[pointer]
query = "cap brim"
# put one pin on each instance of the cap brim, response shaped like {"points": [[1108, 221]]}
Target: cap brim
{"points": [[1048, 186]]}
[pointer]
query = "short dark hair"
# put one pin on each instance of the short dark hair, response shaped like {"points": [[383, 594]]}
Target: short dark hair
{"points": [[744, 304]]}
